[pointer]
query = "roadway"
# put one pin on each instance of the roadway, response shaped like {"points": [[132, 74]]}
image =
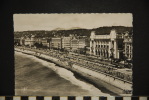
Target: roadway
{"points": [[83, 59]]}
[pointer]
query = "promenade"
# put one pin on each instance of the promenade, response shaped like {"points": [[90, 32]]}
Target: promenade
{"points": [[88, 62]]}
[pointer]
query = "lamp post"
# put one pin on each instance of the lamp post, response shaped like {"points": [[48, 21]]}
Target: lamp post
{"points": [[112, 50]]}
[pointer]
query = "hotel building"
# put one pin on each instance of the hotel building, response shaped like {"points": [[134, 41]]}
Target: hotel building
{"points": [[106, 46], [56, 43], [66, 43], [78, 43], [45, 42], [30, 41], [128, 48]]}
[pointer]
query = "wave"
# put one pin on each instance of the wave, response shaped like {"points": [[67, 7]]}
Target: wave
{"points": [[66, 74]]}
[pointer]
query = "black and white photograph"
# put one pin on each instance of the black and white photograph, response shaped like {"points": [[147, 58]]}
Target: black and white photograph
{"points": [[80, 54]]}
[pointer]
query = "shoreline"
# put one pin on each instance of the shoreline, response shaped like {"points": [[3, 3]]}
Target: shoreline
{"points": [[85, 79], [100, 84], [76, 75]]}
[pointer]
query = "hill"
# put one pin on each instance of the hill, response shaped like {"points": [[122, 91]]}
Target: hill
{"points": [[79, 32]]}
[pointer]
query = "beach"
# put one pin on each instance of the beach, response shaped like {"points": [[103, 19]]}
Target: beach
{"points": [[35, 76]]}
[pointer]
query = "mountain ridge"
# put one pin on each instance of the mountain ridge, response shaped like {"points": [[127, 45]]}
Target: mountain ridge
{"points": [[78, 31]]}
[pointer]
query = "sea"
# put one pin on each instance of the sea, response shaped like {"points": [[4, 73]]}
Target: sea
{"points": [[36, 77]]}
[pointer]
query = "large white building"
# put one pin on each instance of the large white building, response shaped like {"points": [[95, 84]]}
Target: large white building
{"points": [[78, 43], [74, 44], [66, 42], [45, 42], [30, 41], [106, 46], [56, 43], [128, 47], [33, 40], [27, 41]]}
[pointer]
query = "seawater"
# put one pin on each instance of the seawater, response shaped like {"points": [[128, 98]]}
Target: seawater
{"points": [[34, 76]]}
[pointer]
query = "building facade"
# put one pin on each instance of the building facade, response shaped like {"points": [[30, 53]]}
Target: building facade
{"points": [[128, 48], [45, 42], [79, 44], [56, 43], [74, 44], [82, 43], [106, 46], [66, 43], [27, 41], [22, 41], [30, 41]]}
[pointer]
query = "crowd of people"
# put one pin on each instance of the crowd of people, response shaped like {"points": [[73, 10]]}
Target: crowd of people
{"points": [[83, 62]]}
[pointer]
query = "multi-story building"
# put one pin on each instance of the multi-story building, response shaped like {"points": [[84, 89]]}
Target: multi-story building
{"points": [[30, 41], [56, 43], [79, 44], [74, 44], [22, 41], [82, 43], [45, 42], [66, 43], [106, 46], [27, 41], [38, 40], [16, 41], [128, 48]]}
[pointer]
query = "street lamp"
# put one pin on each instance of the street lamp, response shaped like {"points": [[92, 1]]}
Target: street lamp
{"points": [[112, 56]]}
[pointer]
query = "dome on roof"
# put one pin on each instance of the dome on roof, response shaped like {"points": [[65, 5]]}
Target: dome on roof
{"points": [[113, 34], [92, 33]]}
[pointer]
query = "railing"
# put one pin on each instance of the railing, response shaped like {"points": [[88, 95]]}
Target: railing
{"points": [[87, 64]]}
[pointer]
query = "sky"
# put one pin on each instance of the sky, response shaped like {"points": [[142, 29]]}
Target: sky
{"points": [[25, 22]]}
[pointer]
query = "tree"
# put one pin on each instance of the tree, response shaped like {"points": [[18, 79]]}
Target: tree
{"points": [[124, 58], [85, 49], [36, 45], [40, 45]]}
